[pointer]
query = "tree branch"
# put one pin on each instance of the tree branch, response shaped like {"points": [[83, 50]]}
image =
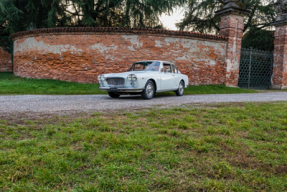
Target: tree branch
{"points": [[250, 18], [76, 14], [214, 24]]}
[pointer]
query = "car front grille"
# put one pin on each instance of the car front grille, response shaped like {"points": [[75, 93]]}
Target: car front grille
{"points": [[116, 81]]}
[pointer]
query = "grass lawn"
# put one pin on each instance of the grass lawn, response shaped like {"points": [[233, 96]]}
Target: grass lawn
{"points": [[240, 147], [10, 84]]}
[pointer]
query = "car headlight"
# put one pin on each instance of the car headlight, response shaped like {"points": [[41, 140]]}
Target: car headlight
{"points": [[129, 77], [132, 77], [101, 78]]}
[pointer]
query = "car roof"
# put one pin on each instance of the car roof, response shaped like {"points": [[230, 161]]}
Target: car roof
{"points": [[155, 60]]}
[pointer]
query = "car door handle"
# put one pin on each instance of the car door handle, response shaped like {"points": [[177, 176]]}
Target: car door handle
{"points": [[173, 75]]}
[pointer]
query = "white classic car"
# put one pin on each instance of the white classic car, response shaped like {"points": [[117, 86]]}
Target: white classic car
{"points": [[145, 78]]}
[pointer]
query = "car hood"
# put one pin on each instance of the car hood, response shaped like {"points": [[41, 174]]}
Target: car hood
{"points": [[125, 74]]}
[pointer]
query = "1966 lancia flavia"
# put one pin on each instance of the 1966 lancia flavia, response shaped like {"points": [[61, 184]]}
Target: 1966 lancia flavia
{"points": [[145, 78]]}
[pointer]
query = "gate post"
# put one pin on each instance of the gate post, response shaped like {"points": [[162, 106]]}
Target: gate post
{"points": [[231, 26], [280, 48]]}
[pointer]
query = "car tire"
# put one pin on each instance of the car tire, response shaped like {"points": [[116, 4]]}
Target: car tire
{"points": [[180, 90], [149, 90], [114, 95]]}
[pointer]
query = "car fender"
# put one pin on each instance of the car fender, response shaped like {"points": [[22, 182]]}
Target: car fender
{"points": [[143, 79], [155, 83], [184, 78]]}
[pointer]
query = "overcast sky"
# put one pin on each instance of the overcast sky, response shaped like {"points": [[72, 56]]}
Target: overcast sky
{"points": [[169, 21]]}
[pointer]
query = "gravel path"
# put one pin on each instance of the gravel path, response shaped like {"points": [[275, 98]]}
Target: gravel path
{"points": [[60, 105]]}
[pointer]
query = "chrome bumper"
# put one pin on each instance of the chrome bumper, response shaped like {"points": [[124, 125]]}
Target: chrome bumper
{"points": [[122, 89]]}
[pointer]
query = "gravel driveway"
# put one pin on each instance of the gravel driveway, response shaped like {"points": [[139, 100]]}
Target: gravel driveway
{"points": [[91, 103]]}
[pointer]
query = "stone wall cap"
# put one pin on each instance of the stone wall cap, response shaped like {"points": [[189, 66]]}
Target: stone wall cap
{"points": [[232, 10], [115, 30], [232, 7], [279, 23]]}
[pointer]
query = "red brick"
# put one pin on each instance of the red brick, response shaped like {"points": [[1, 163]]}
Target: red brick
{"points": [[280, 58], [5, 61]]}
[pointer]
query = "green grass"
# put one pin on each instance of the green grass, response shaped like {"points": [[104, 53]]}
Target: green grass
{"points": [[211, 89], [10, 84], [213, 148]]}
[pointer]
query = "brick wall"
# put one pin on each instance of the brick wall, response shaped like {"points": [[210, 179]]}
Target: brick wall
{"points": [[82, 56], [280, 58], [5, 61]]}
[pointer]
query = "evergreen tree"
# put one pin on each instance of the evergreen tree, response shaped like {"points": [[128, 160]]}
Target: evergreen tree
{"points": [[10, 16], [259, 39], [21, 15], [127, 13], [199, 15]]}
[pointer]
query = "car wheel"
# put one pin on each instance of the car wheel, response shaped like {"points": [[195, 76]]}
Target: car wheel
{"points": [[180, 90], [114, 95], [149, 90]]}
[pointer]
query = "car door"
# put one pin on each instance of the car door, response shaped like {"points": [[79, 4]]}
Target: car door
{"points": [[167, 77], [176, 76]]}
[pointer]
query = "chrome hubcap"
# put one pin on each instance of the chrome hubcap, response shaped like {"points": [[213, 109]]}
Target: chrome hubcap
{"points": [[181, 88], [149, 90]]}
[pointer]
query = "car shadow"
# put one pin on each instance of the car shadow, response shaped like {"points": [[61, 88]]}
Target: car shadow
{"points": [[137, 97]]}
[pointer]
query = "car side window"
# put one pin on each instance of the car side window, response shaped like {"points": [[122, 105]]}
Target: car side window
{"points": [[174, 69], [138, 67], [167, 68]]}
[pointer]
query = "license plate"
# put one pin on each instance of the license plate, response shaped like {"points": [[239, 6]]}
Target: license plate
{"points": [[113, 89]]}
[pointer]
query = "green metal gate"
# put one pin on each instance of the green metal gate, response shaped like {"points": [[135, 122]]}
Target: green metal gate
{"points": [[255, 70]]}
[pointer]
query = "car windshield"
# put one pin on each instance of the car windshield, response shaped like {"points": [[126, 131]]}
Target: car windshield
{"points": [[145, 66]]}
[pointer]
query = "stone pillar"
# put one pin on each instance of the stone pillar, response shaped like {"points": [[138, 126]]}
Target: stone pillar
{"points": [[231, 26], [280, 47]]}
